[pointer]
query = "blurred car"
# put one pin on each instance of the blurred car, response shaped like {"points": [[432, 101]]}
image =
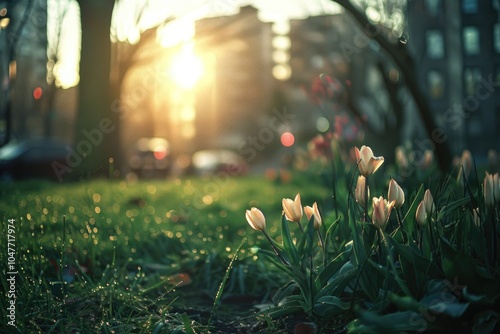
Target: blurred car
{"points": [[215, 161], [31, 158], [150, 158]]}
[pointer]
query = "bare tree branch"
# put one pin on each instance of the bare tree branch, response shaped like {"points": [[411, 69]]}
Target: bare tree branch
{"points": [[399, 54]]}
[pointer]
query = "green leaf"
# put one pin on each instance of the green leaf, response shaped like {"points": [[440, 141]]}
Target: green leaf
{"points": [[407, 303], [450, 208], [306, 241], [359, 249], [411, 254], [270, 256], [284, 292], [360, 257], [461, 267], [371, 279], [485, 322], [451, 309], [338, 284], [371, 322], [187, 324], [330, 306], [415, 268], [478, 242], [489, 299], [332, 268], [288, 245], [333, 227], [409, 218], [289, 307]]}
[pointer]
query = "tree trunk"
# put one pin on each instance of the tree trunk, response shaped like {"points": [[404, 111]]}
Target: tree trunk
{"points": [[96, 135]]}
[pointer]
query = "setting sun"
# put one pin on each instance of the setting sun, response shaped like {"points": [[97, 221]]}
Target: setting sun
{"points": [[186, 67]]}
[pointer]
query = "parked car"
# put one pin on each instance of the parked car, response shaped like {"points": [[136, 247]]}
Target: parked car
{"points": [[150, 158], [31, 158], [218, 160]]}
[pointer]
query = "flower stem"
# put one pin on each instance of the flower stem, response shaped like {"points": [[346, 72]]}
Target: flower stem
{"points": [[379, 234], [275, 249], [365, 218], [322, 243], [401, 226], [300, 225], [334, 185]]}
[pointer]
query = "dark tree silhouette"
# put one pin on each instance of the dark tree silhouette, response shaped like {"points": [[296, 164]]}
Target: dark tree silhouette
{"points": [[96, 123], [402, 58]]}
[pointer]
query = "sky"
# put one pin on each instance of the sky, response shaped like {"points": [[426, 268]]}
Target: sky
{"points": [[282, 9]]}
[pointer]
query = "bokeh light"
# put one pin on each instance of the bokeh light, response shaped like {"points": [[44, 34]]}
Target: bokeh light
{"points": [[287, 139], [37, 93], [322, 124], [186, 68]]}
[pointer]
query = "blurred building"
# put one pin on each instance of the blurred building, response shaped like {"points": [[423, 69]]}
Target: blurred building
{"points": [[456, 47], [237, 85]]}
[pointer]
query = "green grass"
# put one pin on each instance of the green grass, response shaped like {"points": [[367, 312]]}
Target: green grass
{"points": [[121, 246]]}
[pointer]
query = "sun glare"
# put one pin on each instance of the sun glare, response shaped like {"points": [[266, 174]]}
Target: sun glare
{"points": [[187, 68]]}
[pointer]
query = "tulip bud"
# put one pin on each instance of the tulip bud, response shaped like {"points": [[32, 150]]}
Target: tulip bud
{"points": [[466, 162], [293, 209], [476, 218], [489, 190], [421, 214], [401, 159], [381, 211], [367, 162], [428, 159], [313, 211], [256, 219], [396, 194], [429, 203], [359, 191]]}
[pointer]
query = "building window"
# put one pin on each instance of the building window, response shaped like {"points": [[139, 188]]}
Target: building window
{"points": [[433, 7], [496, 37], [472, 76], [469, 6], [435, 83], [471, 41], [434, 44]]}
